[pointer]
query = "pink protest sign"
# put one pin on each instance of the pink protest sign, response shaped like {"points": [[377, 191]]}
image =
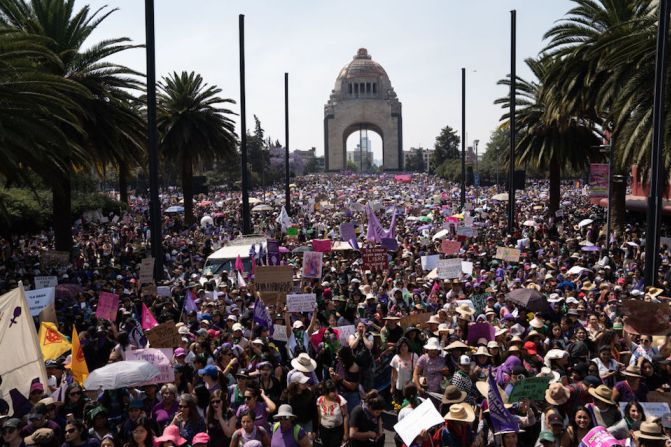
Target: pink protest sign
{"points": [[449, 247], [599, 437], [108, 306], [321, 245]]}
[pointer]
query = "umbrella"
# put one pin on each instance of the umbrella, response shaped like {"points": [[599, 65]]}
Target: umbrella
{"points": [[503, 197], [425, 219], [122, 374], [584, 222], [301, 250], [253, 201], [459, 216], [206, 220], [284, 250], [590, 248], [175, 209], [424, 227], [529, 223], [441, 234], [531, 299], [262, 207], [68, 291]]}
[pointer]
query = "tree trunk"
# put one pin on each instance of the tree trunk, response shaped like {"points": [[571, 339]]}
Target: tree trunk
{"points": [[123, 182], [619, 191], [187, 188], [555, 183], [62, 212]]}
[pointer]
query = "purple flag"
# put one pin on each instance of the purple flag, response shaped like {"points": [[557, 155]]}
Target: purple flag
{"points": [[261, 316], [348, 234], [502, 420], [375, 231], [189, 303]]}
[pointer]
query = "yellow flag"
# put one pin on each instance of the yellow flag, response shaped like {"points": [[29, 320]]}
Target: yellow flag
{"points": [[53, 343], [78, 365]]}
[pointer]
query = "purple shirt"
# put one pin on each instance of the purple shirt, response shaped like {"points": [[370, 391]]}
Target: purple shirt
{"points": [[285, 438], [431, 368], [260, 412]]}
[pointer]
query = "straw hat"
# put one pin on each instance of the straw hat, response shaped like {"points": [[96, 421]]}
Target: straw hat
{"points": [[455, 345], [603, 393], [453, 395], [558, 394], [534, 286], [654, 291], [482, 351], [462, 412], [649, 430], [536, 323], [432, 344], [547, 372], [304, 363], [465, 310], [483, 388], [587, 286], [433, 320], [493, 344], [632, 371]]}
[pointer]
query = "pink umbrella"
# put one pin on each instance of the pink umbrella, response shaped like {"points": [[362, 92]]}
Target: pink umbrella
{"points": [[284, 250]]}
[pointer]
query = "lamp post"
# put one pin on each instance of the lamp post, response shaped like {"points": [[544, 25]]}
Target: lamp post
{"points": [[608, 148], [287, 191], [244, 177], [475, 145], [513, 87], [463, 138]]}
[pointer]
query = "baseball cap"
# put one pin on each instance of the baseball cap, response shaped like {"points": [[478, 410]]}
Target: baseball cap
{"points": [[464, 360], [555, 419], [201, 438], [209, 370], [180, 352], [299, 378]]}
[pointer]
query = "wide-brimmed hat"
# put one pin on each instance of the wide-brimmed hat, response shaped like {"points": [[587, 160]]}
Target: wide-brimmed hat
{"points": [[632, 371], [304, 363], [285, 411], [536, 322], [587, 286], [170, 433], [649, 430], [432, 344], [442, 327], [483, 388], [603, 393], [433, 319], [557, 394], [493, 344], [462, 412], [465, 310], [482, 351], [456, 345], [453, 395]]}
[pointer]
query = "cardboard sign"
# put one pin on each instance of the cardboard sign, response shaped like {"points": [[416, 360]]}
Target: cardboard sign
{"points": [[42, 282], [466, 232], [449, 268], [467, 267], [161, 358], [279, 332], [507, 254], [147, 270], [301, 302], [150, 290], [164, 335], [646, 318], [414, 320], [274, 279], [532, 388], [108, 306], [450, 247], [54, 258], [375, 259], [312, 264], [430, 262], [39, 299]]}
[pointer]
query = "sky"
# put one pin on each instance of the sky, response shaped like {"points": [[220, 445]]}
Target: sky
{"points": [[422, 45]]}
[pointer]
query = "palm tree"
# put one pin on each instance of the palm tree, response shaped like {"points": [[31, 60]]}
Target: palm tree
{"points": [[193, 126], [110, 129], [553, 144]]}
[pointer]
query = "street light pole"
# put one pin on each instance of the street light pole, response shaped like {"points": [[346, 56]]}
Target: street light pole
{"points": [[475, 144], [244, 176], [154, 203], [513, 88], [287, 191], [657, 177], [463, 138]]}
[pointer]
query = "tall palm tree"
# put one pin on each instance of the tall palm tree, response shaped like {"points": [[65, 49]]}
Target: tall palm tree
{"points": [[552, 144], [110, 128], [193, 126]]}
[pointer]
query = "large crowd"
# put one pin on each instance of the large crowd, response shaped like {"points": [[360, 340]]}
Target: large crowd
{"points": [[240, 384]]}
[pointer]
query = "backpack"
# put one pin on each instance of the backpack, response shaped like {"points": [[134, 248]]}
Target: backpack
{"points": [[297, 430]]}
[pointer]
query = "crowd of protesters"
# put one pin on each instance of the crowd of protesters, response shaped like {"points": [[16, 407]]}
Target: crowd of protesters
{"points": [[238, 384]]}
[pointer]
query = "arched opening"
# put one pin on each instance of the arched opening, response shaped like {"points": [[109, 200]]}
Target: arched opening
{"points": [[364, 148]]}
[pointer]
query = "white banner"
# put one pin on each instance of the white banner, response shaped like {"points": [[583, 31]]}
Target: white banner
{"points": [[430, 262], [39, 299], [449, 268], [301, 302]]}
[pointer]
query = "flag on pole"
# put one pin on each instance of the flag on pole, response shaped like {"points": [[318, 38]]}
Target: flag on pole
{"points": [[239, 266], [148, 320], [283, 219], [78, 363], [241, 280], [52, 343], [189, 302], [502, 420], [20, 356], [261, 315]]}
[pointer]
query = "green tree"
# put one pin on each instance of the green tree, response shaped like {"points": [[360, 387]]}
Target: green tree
{"points": [[446, 147], [548, 143], [194, 127], [108, 129], [415, 161], [258, 154]]}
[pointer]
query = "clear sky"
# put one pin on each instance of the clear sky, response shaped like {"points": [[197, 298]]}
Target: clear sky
{"points": [[421, 44]]}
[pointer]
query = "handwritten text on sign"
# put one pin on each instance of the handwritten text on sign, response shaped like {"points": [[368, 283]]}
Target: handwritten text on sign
{"points": [[507, 254], [449, 268], [301, 302], [160, 358], [39, 299], [375, 259], [450, 247], [108, 306]]}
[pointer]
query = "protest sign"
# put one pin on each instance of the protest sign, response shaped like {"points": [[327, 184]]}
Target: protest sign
{"points": [[164, 335], [430, 262], [147, 270], [421, 418], [468, 220], [39, 299], [321, 245], [344, 332], [273, 249], [651, 409], [292, 232], [559, 213], [279, 332], [347, 232], [476, 331], [507, 254], [163, 291], [646, 318], [54, 258], [149, 290], [42, 282], [467, 267], [450, 247], [301, 302], [466, 232], [312, 264], [389, 243], [599, 437], [108, 306], [375, 259], [532, 388], [160, 358], [274, 282], [414, 319], [598, 180], [449, 268]]}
